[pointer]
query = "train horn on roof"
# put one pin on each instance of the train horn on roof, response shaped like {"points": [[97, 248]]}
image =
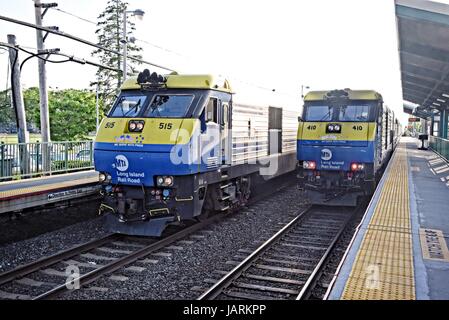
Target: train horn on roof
{"points": [[147, 77]]}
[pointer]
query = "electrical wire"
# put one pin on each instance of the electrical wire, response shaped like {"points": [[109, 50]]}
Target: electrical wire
{"points": [[78, 39], [66, 35], [74, 15], [71, 58], [162, 48], [60, 33]]}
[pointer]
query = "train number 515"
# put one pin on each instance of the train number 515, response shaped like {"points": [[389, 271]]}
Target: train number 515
{"points": [[165, 126]]}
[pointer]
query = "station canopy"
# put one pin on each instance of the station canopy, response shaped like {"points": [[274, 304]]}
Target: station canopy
{"points": [[423, 35]]}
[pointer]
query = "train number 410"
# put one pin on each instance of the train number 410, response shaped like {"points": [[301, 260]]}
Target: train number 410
{"points": [[358, 128]]}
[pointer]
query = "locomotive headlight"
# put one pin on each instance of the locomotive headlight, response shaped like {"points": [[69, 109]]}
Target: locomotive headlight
{"points": [[136, 125], [104, 177], [168, 181], [333, 127], [165, 181], [310, 165], [357, 166], [139, 126]]}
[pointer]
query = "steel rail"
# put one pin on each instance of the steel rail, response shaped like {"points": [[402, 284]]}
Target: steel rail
{"points": [[120, 262], [317, 271], [34, 266], [224, 282]]}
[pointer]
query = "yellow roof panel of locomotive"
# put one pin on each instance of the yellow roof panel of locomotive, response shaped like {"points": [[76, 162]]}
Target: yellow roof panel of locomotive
{"points": [[187, 81], [353, 95]]}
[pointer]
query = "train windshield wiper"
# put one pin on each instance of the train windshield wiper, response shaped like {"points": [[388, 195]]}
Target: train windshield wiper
{"points": [[155, 107], [327, 114], [133, 108]]}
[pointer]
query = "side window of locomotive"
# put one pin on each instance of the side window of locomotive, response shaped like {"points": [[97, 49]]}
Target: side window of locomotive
{"points": [[212, 110], [225, 118]]}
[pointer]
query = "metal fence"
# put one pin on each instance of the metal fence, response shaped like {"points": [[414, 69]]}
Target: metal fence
{"points": [[440, 146], [27, 160]]}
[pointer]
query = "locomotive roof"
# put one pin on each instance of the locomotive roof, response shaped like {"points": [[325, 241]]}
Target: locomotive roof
{"points": [[186, 81], [352, 94]]}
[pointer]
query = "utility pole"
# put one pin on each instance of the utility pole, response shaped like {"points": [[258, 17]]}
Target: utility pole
{"points": [[16, 92], [97, 123], [19, 107], [43, 94], [138, 13], [125, 46]]}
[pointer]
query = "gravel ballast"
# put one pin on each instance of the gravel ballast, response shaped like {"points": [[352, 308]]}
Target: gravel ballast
{"points": [[26, 251], [189, 262]]}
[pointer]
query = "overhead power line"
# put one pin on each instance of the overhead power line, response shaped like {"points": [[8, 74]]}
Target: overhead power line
{"points": [[69, 36], [74, 15], [71, 58], [60, 33]]}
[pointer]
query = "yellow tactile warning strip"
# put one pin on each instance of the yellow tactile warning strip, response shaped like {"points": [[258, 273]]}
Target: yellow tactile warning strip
{"points": [[383, 268], [45, 187], [433, 245]]}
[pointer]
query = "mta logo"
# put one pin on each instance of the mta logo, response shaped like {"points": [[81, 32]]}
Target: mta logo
{"points": [[121, 163], [326, 154]]}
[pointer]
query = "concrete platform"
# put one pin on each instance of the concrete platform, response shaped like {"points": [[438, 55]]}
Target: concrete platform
{"points": [[26, 193], [400, 250]]}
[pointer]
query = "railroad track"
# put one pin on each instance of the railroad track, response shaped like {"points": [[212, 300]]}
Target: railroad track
{"points": [[48, 277], [289, 264]]}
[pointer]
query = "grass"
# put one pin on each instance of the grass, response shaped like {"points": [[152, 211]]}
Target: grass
{"points": [[12, 138]]}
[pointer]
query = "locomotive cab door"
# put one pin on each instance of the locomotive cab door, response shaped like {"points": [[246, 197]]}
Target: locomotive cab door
{"points": [[225, 133], [218, 125], [379, 136]]}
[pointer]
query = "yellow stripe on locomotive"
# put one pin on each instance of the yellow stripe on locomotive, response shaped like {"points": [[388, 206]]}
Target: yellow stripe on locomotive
{"points": [[155, 131], [350, 131]]}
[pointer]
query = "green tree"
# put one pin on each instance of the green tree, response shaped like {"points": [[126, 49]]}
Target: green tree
{"points": [[109, 33], [72, 112], [32, 108], [7, 115]]}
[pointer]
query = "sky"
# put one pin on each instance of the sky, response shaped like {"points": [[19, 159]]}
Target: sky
{"points": [[283, 44]]}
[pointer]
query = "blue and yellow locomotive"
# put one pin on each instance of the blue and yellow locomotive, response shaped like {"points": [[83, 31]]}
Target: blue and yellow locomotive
{"points": [[178, 147], [345, 137]]}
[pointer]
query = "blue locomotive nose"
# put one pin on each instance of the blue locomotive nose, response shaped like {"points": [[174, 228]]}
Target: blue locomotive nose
{"points": [[139, 168], [335, 157]]}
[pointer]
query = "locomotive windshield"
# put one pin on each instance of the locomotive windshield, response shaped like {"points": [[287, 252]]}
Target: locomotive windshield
{"points": [[169, 106], [128, 106], [356, 112], [152, 105], [319, 113]]}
